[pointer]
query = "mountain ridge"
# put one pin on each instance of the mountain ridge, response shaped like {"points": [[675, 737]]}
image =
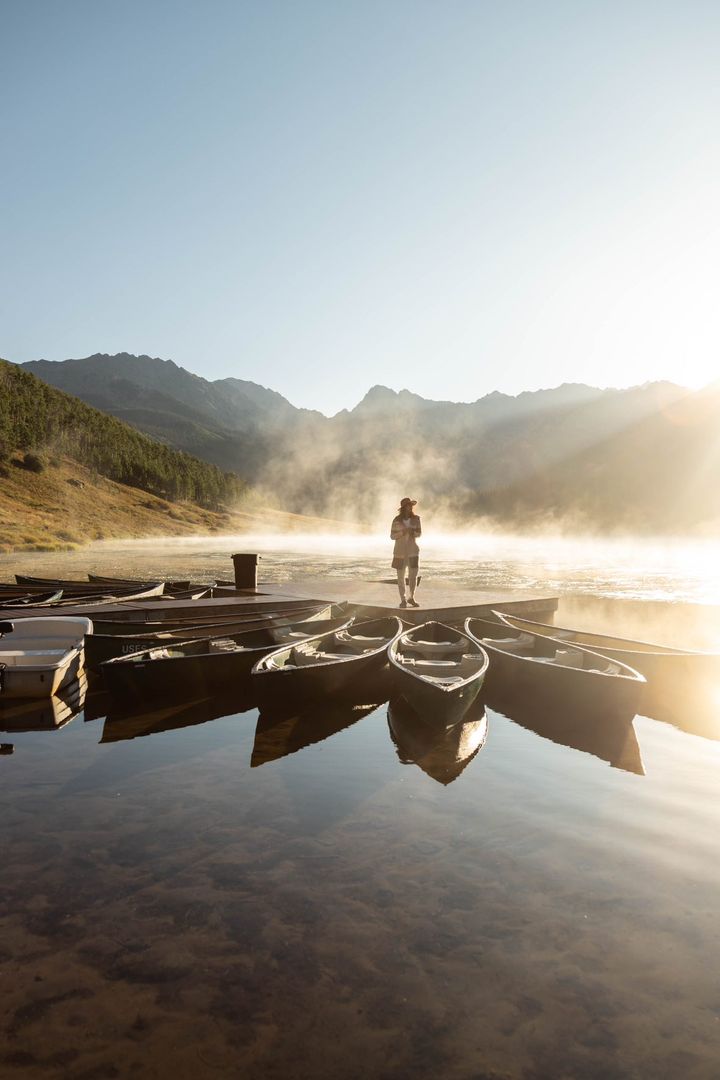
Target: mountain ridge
{"points": [[491, 457]]}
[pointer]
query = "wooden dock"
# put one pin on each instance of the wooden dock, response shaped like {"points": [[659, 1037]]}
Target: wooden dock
{"points": [[370, 599], [444, 603]]}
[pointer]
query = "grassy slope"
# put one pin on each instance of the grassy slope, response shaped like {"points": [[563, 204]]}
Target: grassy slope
{"points": [[43, 511]]}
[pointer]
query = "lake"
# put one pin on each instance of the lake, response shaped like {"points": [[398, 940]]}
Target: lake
{"points": [[191, 892]]}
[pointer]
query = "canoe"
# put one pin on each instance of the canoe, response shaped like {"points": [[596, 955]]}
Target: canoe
{"points": [[677, 680], [175, 590], [38, 656], [327, 664], [87, 589], [165, 613], [438, 670], [102, 647], [536, 667], [10, 592], [32, 600], [441, 752], [137, 582], [205, 665]]}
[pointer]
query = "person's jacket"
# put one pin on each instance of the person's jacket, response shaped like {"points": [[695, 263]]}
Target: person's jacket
{"points": [[405, 537]]}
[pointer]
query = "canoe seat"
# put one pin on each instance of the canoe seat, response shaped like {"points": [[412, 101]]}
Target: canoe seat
{"points": [[438, 648], [414, 661], [564, 658], [308, 657], [610, 669], [358, 643], [522, 644], [225, 645]]}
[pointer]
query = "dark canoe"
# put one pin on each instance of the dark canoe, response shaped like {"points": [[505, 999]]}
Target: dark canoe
{"points": [[8, 591], [33, 600], [138, 620], [102, 647], [140, 582], [207, 665], [177, 590], [531, 666], [679, 681], [83, 589], [328, 664], [438, 670], [441, 752]]}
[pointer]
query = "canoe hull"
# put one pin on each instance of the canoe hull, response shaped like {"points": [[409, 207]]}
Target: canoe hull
{"points": [[589, 693], [315, 683], [142, 676], [432, 702], [282, 686], [677, 680]]}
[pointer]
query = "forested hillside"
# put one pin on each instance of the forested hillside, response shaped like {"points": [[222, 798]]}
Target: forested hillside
{"points": [[37, 419]]}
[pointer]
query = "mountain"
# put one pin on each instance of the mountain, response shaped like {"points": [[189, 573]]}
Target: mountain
{"points": [[641, 459], [71, 473], [228, 422]]}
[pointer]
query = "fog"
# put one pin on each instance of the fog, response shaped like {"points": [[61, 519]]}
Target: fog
{"points": [[667, 591]]}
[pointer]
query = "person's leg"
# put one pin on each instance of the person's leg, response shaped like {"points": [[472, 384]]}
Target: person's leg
{"points": [[412, 581], [401, 580]]}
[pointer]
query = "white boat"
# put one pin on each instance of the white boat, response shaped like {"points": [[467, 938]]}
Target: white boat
{"points": [[40, 656]]}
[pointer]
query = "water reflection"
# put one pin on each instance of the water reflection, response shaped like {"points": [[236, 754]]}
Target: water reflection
{"points": [[690, 706], [278, 735], [44, 714], [610, 737], [122, 724], [441, 752]]}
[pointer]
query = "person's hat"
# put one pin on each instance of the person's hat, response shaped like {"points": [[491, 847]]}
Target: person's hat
{"points": [[408, 502]]}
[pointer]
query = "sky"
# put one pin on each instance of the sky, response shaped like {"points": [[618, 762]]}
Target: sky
{"points": [[450, 197]]}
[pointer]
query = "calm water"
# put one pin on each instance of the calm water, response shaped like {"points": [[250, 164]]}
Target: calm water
{"points": [[195, 892]]}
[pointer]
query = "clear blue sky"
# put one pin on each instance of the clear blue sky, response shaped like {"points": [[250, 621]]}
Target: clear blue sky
{"points": [[450, 197]]}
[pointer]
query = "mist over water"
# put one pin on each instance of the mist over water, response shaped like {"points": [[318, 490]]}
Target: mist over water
{"points": [[661, 590]]}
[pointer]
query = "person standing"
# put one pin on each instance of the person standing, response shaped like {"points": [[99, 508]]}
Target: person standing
{"points": [[405, 531]]}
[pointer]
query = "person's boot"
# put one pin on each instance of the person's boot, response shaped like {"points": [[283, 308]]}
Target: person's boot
{"points": [[403, 602], [412, 602]]}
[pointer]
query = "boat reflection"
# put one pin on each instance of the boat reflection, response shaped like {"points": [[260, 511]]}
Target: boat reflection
{"points": [[281, 732], [441, 752], [122, 724], [44, 714], [693, 707], [610, 738]]}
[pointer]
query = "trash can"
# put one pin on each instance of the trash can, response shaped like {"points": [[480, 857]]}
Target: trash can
{"points": [[245, 567]]}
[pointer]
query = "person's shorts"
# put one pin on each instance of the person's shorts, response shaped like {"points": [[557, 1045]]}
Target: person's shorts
{"points": [[411, 562]]}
